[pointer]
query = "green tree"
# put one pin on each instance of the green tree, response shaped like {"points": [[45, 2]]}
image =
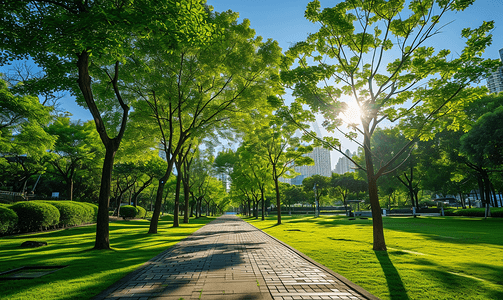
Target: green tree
{"points": [[77, 148], [294, 194], [316, 186], [483, 144], [198, 89], [22, 122], [148, 170], [244, 182], [23, 141], [449, 170], [182, 162], [224, 162], [258, 168], [201, 169], [483, 147], [348, 57], [346, 184], [185, 169], [215, 199], [95, 37], [282, 150]]}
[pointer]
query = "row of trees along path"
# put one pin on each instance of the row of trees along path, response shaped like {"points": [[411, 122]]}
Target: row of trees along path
{"points": [[182, 73]]}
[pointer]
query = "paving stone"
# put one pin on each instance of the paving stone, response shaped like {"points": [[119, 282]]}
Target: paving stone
{"points": [[230, 259]]}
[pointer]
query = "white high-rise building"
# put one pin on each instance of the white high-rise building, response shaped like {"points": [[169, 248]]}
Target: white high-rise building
{"points": [[495, 80], [344, 165], [322, 166]]}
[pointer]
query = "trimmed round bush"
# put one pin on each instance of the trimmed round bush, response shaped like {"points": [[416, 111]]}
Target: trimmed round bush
{"points": [[34, 215], [141, 212], [71, 214], [128, 211], [8, 220], [91, 211]]}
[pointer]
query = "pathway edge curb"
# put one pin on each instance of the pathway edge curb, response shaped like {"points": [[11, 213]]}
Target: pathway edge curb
{"points": [[346, 281]]}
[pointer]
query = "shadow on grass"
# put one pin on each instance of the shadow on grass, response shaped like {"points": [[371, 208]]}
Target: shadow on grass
{"points": [[396, 287], [348, 240], [272, 226], [453, 230], [73, 247]]}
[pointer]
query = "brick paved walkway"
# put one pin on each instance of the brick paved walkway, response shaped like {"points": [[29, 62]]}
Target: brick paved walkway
{"points": [[231, 259]]}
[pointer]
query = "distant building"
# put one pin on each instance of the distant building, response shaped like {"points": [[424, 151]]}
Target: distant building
{"points": [[495, 80], [321, 157], [322, 166], [344, 165]]}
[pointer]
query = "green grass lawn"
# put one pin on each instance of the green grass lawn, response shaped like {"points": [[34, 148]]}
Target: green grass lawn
{"points": [[89, 271], [427, 257]]}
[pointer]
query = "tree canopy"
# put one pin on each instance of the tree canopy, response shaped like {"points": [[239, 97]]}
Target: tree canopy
{"points": [[377, 54]]}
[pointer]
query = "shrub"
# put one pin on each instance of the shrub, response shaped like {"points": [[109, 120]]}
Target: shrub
{"points": [[71, 213], [91, 211], [141, 212], [428, 203], [128, 211], [497, 212], [474, 212], [33, 216], [449, 212], [8, 220]]}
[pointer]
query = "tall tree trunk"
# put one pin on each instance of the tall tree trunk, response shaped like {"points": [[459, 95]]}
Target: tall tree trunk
{"points": [[487, 189], [176, 221], [187, 205], [69, 188], [463, 201], [344, 197], [111, 145], [257, 209], [199, 208], [416, 192], [158, 200], [495, 201], [481, 190], [192, 206], [278, 200], [263, 205], [379, 243], [102, 240]]}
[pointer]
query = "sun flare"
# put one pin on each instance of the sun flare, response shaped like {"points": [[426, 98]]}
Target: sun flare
{"points": [[351, 113]]}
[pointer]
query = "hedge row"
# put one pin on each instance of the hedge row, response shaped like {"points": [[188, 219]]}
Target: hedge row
{"points": [[474, 212], [40, 215], [75, 213], [129, 211]]}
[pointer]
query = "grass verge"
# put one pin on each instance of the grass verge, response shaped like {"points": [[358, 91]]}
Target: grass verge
{"points": [[427, 257], [89, 271]]}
